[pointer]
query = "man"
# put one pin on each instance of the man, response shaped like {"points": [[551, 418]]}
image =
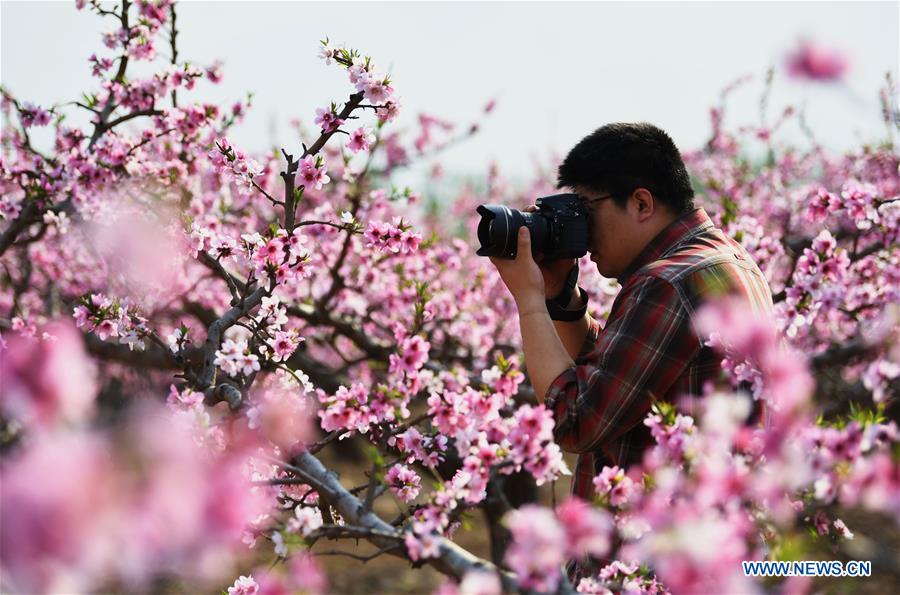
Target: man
{"points": [[668, 258]]}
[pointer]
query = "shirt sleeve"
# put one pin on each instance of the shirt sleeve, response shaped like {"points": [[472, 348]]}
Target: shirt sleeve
{"points": [[647, 343], [590, 340]]}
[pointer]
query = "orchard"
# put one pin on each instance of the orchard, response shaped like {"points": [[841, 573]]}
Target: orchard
{"points": [[231, 372]]}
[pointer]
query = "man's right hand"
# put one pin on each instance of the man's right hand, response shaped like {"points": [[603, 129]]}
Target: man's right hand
{"points": [[554, 271]]}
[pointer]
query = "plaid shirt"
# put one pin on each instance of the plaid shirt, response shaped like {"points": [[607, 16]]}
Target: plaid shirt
{"points": [[649, 349]]}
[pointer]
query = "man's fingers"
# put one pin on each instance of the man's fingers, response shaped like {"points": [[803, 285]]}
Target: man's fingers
{"points": [[524, 241]]}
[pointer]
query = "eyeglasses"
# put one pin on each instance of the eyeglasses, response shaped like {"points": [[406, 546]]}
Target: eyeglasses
{"points": [[588, 201]]}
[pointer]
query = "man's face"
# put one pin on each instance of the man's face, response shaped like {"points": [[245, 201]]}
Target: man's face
{"points": [[611, 232]]}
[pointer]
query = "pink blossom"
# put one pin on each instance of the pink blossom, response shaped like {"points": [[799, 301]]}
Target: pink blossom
{"points": [[480, 582], [326, 52], [816, 62], [389, 110], [284, 344], [842, 529], [378, 90], [588, 529], [347, 409], [327, 120], [32, 115], [47, 381], [536, 553], [306, 520], [312, 173], [305, 575], [413, 355], [233, 358], [50, 501], [82, 508], [214, 73], [282, 411], [184, 399], [244, 585], [859, 201], [614, 484], [421, 542], [361, 139], [9, 209], [821, 204], [404, 482]]}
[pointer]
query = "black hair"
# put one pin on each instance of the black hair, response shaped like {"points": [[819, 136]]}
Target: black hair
{"points": [[618, 158]]}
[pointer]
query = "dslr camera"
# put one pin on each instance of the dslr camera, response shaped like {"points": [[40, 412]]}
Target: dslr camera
{"points": [[559, 228]]}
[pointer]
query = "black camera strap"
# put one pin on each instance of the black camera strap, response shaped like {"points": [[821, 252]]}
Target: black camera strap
{"points": [[558, 306]]}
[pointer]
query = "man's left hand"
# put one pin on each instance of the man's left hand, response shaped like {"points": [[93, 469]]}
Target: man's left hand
{"points": [[523, 277]]}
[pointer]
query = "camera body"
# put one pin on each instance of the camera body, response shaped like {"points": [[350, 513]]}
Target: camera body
{"points": [[559, 228]]}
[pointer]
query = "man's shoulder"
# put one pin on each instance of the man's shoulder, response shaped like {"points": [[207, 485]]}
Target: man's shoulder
{"points": [[705, 265], [708, 248]]}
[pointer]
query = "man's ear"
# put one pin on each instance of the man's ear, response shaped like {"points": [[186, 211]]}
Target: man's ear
{"points": [[644, 203]]}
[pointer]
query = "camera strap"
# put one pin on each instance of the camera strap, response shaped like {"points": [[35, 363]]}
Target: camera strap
{"points": [[558, 306]]}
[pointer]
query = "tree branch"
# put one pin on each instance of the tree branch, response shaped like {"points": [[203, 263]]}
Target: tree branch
{"points": [[216, 329], [452, 560], [351, 105], [173, 36]]}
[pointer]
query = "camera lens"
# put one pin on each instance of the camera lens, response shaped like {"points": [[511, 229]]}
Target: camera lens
{"points": [[498, 224], [499, 228], [559, 228]]}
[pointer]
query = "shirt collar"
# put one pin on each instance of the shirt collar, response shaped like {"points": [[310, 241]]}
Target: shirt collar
{"points": [[687, 225]]}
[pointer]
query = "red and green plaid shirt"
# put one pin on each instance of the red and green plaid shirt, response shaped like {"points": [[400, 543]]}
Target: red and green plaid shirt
{"points": [[649, 349]]}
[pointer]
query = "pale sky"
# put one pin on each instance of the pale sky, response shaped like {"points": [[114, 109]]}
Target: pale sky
{"points": [[557, 70]]}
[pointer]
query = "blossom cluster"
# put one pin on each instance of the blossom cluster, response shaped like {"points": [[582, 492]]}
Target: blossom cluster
{"points": [[367, 319], [404, 482], [394, 237], [543, 541], [108, 318], [715, 490], [234, 162], [83, 482], [375, 87]]}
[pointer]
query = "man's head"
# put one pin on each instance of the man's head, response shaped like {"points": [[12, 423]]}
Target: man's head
{"points": [[634, 183]]}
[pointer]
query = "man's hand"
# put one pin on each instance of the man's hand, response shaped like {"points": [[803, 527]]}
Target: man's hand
{"points": [[554, 271], [523, 277], [546, 356]]}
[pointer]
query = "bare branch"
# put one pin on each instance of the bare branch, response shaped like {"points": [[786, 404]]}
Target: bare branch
{"points": [[452, 560], [216, 329], [226, 392], [271, 198], [216, 266], [27, 216], [337, 225], [352, 104], [362, 559], [131, 116], [173, 36]]}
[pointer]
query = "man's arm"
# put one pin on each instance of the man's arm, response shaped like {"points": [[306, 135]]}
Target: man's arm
{"points": [[573, 334], [646, 344], [546, 356]]}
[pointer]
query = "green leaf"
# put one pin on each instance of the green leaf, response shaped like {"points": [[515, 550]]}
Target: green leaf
{"points": [[373, 454], [792, 547], [730, 210]]}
